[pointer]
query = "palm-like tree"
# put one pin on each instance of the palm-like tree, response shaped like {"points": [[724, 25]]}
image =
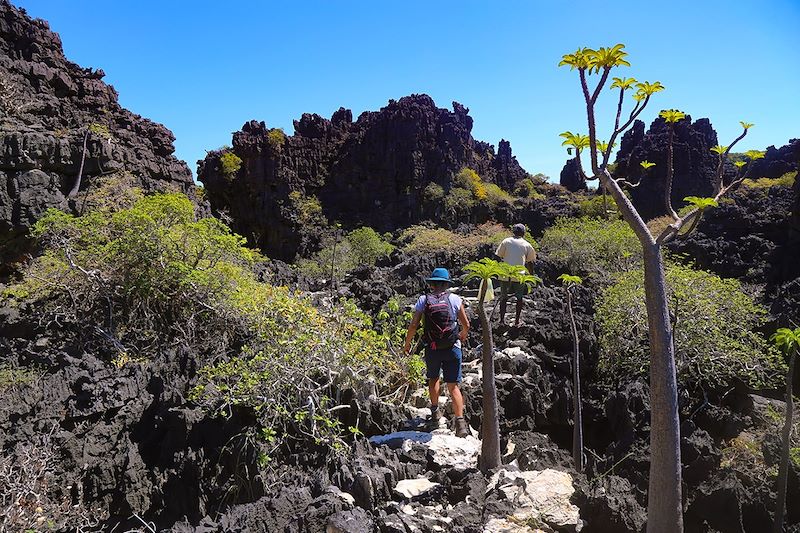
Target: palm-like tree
{"points": [[664, 511], [570, 282], [485, 270], [787, 340]]}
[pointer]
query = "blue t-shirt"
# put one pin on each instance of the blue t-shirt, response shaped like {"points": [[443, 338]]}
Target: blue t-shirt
{"points": [[455, 305]]}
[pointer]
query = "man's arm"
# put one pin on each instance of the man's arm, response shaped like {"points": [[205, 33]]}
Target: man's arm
{"points": [[464, 321], [412, 330], [501, 250]]}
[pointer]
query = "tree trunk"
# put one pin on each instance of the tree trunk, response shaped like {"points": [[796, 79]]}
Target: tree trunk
{"points": [[577, 430], [490, 429], [783, 474], [664, 506], [76, 187]]}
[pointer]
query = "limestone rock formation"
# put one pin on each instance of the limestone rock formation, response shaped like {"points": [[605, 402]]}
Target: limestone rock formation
{"points": [[571, 178], [47, 104], [373, 171], [694, 163], [776, 161]]}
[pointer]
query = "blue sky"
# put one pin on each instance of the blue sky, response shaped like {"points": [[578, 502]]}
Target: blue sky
{"points": [[204, 68]]}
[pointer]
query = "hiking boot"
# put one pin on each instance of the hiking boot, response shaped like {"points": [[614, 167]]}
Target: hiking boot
{"points": [[436, 416], [462, 430]]}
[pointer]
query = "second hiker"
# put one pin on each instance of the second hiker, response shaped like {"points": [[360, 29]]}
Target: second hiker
{"points": [[518, 252], [443, 312]]}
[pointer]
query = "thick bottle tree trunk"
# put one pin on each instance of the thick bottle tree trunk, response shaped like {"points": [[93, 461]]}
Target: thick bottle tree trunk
{"points": [[577, 430], [77, 185], [490, 429], [783, 474], [664, 513]]}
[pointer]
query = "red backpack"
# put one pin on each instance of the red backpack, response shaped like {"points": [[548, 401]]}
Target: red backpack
{"points": [[441, 325]]}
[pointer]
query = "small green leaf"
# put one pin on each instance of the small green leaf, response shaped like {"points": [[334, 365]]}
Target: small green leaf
{"points": [[719, 149], [701, 203], [746, 125], [740, 164], [646, 164], [568, 279], [752, 155]]}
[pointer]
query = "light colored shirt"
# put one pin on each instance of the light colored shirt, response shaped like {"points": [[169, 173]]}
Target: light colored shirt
{"points": [[516, 251], [455, 305]]}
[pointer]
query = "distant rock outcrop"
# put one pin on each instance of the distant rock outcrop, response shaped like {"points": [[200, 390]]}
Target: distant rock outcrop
{"points": [[373, 171], [776, 161], [47, 104], [694, 163], [571, 177]]}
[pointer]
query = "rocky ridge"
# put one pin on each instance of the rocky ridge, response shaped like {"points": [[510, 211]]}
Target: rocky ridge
{"points": [[372, 171], [47, 105]]}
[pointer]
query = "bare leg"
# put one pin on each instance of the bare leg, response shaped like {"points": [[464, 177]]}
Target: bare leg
{"points": [[458, 400], [519, 311], [433, 391], [503, 301]]}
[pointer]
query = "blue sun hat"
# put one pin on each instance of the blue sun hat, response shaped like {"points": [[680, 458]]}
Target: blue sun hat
{"points": [[440, 274]]}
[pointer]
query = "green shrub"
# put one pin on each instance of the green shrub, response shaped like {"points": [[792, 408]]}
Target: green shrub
{"points": [[470, 180], [716, 342], [593, 207], [276, 138], [526, 188], [307, 208], [368, 246], [131, 283], [458, 202], [433, 192], [592, 246], [423, 240], [362, 246], [495, 195], [787, 180], [229, 165]]}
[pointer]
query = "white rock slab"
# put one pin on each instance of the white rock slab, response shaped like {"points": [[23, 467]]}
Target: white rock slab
{"points": [[448, 450], [411, 488], [541, 496]]}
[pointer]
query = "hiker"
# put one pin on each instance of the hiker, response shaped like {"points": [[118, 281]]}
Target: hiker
{"points": [[443, 311], [518, 252]]}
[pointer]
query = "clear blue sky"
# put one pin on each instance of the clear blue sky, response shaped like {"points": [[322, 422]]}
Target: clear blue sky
{"points": [[203, 68]]}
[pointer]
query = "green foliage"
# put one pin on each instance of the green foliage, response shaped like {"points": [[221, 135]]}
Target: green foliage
{"points": [[229, 165], [308, 209], [526, 188], [787, 180], [458, 202], [672, 116], [719, 149], [132, 283], [701, 203], [716, 339], [486, 269], [470, 180], [753, 155], [495, 195], [595, 60], [568, 280], [101, 130], [577, 141], [423, 240], [368, 246], [646, 164], [787, 340], [593, 206], [433, 193], [276, 138], [12, 377], [362, 246], [592, 246], [794, 456]]}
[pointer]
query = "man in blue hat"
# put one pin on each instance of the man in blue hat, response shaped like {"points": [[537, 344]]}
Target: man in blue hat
{"points": [[443, 312]]}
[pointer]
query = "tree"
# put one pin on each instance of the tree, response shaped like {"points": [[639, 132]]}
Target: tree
{"points": [[99, 130], [569, 283], [487, 269], [664, 493], [789, 341]]}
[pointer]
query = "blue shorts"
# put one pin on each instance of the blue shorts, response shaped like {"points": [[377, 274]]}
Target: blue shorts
{"points": [[446, 361]]}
